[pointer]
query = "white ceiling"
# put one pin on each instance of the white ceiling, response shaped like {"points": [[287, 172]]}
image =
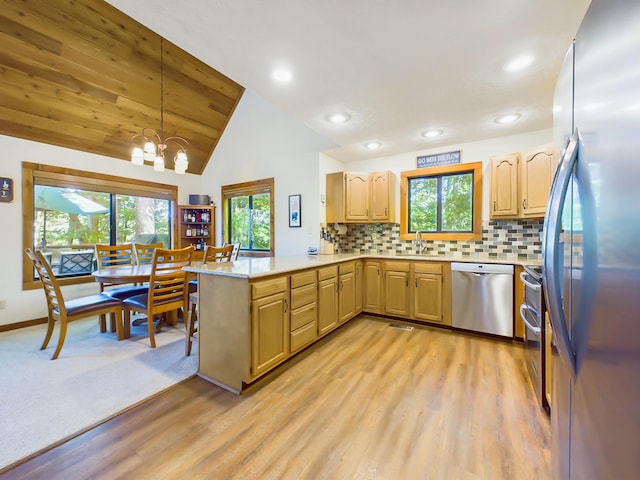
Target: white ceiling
{"points": [[397, 67]]}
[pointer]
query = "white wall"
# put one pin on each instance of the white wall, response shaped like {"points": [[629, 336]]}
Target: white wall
{"points": [[27, 305], [261, 142], [471, 152]]}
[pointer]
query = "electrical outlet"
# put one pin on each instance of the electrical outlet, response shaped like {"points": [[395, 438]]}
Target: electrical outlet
{"points": [[3, 304]]}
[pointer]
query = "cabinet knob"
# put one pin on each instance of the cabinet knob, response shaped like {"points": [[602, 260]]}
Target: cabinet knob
{"points": [[494, 205], [524, 203]]}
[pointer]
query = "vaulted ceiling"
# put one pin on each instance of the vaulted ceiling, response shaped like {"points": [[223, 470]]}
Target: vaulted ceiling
{"points": [[82, 74]]}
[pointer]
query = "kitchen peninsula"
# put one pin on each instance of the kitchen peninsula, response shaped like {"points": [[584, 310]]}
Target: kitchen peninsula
{"points": [[255, 313]]}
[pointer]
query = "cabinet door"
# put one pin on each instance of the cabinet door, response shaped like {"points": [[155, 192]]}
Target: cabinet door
{"points": [[396, 287], [504, 186], [359, 286], [327, 305], [357, 196], [380, 204], [270, 332], [347, 296], [372, 287], [537, 173], [427, 297]]}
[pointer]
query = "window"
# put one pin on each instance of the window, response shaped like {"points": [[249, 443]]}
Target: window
{"points": [[248, 216], [442, 202], [68, 211]]}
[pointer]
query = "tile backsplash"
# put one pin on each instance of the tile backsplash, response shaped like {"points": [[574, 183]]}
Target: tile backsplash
{"points": [[519, 239]]}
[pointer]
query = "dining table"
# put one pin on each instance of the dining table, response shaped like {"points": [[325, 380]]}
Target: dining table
{"points": [[124, 274]]}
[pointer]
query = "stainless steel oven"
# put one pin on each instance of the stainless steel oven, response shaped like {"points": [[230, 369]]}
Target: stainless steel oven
{"points": [[532, 312]]}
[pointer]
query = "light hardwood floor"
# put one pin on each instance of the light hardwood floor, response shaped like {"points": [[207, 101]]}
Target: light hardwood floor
{"points": [[368, 402]]}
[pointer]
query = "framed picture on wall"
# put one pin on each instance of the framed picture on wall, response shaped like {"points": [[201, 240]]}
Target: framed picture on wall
{"points": [[295, 219]]}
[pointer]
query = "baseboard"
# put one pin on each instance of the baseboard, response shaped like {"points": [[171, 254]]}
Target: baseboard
{"points": [[27, 323]]}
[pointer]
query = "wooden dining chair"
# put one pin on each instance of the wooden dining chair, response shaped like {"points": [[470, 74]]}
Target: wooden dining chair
{"points": [[70, 310], [211, 254], [144, 252], [168, 289], [236, 250], [113, 256]]}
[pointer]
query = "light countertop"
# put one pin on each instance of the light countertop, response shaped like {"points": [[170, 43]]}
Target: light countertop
{"points": [[253, 267]]}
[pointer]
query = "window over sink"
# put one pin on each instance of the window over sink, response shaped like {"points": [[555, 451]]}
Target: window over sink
{"points": [[442, 203]]}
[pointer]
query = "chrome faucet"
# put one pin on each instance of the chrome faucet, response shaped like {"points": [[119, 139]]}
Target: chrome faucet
{"points": [[422, 245]]}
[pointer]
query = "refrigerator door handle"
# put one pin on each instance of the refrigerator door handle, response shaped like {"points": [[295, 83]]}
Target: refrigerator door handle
{"points": [[551, 275]]}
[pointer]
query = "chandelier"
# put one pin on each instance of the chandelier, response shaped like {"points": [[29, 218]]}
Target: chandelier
{"points": [[154, 143]]}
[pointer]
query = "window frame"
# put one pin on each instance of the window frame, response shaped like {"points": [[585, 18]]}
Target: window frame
{"points": [[473, 167], [265, 185], [39, 174]]}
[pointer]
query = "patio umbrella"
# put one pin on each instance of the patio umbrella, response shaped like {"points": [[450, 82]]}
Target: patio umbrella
{"points": [[63, 200], [67, 201]]}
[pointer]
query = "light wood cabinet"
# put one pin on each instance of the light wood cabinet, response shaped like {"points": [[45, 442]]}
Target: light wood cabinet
{"points": [[505, 174], [520, 185], [373, 287], [518, 299], [396, 288], [327, 299], [537, 174], [195, 227], [356, 199], [430, 292], [360, 197], [347, 291], [359, 286], [304, 309], [270, 328]]}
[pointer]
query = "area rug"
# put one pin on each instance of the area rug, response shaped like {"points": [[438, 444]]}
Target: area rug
{"points": [[42, 402]]}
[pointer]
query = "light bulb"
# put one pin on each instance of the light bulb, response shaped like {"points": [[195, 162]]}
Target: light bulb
{"points": [[158, 164], [137, 156]]}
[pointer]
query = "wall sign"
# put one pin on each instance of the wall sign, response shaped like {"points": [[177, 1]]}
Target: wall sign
{"points": [[6, 190], [439, 159]]}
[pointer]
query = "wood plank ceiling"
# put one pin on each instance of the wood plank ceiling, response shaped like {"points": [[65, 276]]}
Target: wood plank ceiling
{"points": [[83, 75]]}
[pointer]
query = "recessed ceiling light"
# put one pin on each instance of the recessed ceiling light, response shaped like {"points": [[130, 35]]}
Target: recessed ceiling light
{"points": [[282, 75], [338, 118], [432, 133], [511, 117], [519, 63], [372, 145]]}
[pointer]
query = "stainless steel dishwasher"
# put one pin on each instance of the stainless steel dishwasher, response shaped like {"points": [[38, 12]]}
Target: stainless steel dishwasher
{"points": [[482, 298]]}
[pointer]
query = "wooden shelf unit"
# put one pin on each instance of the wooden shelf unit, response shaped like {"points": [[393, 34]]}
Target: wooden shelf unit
{"points": [[196, 224]]}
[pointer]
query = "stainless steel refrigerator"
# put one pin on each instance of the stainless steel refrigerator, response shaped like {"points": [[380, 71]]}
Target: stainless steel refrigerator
{"points": [[591, 249]]}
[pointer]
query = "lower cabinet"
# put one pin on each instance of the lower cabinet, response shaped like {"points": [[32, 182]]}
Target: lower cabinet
{"points": [[427, 297], [373, 300], [248, 327], [346, 291], [359, 286], [304, 309], [327, 299], [396, 288], [269, 331]]}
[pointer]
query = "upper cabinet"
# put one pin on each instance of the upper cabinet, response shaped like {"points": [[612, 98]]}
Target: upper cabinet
{"points": [[520, 185], [360, 197]]}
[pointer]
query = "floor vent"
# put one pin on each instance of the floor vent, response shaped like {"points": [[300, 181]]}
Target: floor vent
{"points": [[400, 326]]}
